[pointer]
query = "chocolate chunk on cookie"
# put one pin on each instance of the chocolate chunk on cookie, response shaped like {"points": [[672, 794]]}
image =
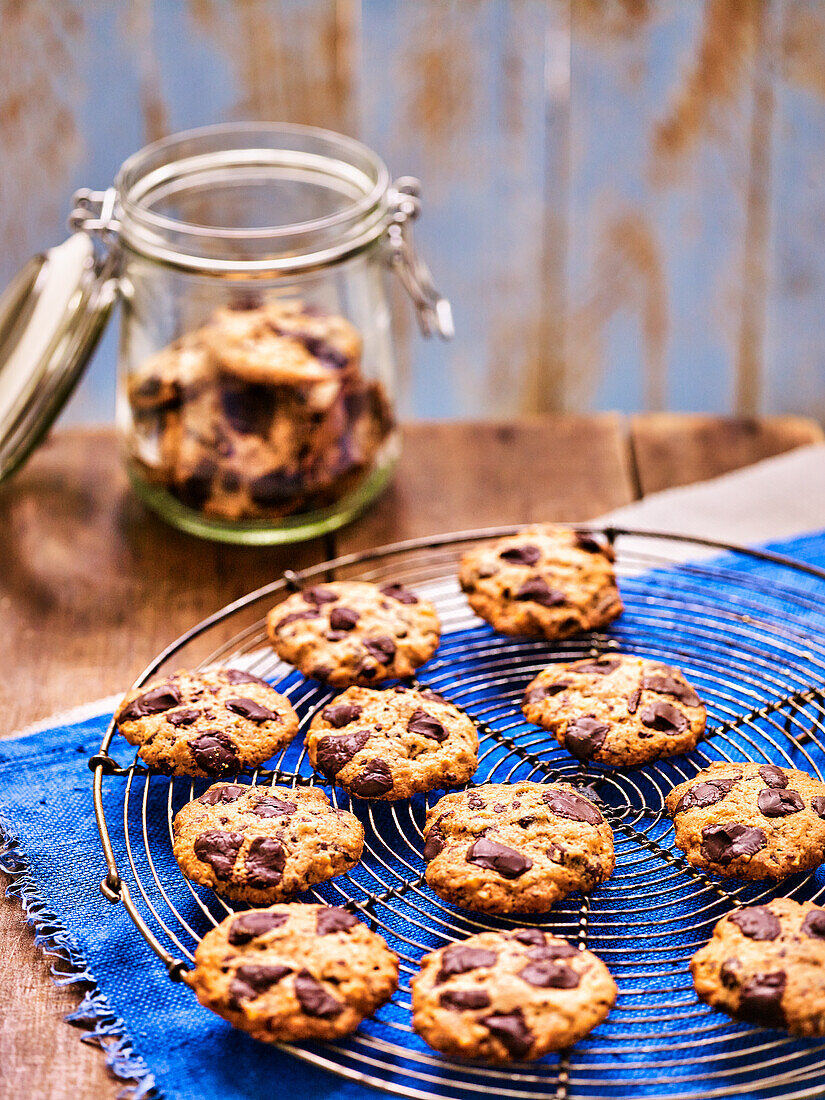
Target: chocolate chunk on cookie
{"points": [[213, 723], [362, 635], [618, 710], [546, 581], [518, 847], [264, 844], [749, 820], [766, 964], [392, 744], [503, 996], [294, 972]]}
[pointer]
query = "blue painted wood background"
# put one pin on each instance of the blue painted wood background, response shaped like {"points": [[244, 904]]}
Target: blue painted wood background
{"points": [[625, 199]]}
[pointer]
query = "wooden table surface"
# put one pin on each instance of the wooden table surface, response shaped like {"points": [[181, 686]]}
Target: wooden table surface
{"points": [[92, 586]]}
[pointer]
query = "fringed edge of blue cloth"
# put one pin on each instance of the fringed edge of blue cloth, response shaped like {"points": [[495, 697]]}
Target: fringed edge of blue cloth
{"points": [[67, 966]]}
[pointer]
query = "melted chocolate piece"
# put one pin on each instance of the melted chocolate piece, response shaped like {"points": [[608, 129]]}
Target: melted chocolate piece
{"points": [[537, 590], [705, 794], [729, 973], [215, 795], [314, 999], [549, 974], [663, 683], [343, 618], [774, 777], [434, 844], [194, 490], [426, 726], [458, 959], [318, 595], [779, 803], [398, 592], [602, 666], [521, 555], [757, 922], [275, 487], [512, 1031], [251, 981], [255, 923], [334, 751], [760, 1001], [533, 936], [341, 714], [475, 801], [334, 919], [182, 717], [461, 999], [323, 351], [273, 807], [585, 736], [296, 617], [218, 850], [264, 862], [155, 701], [588, 542], [552, 951], [375, 779], [382, 649], [574, 806], [238, 676], [724, 843], [663, 717], [215, 753], [818, 805], [249, 709], [498, 857], [814, 924], [247, 406], [536, 694], [633, 701]]}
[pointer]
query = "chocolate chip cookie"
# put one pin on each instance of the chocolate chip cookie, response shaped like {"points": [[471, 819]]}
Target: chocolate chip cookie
{"points": [[294, 972], [617, 709], [353, 632], [260, 413], [520, 847], [392, 744], [545, 581], [766, 964], [504, 996], [264, 844], [754, 821], [211, 723]]}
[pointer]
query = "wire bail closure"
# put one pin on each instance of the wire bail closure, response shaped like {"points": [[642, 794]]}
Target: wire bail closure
{"points": [[434, 312]]}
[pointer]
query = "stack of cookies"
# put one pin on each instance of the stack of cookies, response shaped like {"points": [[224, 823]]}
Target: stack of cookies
{"points": [[261, 413], [292, 970]]}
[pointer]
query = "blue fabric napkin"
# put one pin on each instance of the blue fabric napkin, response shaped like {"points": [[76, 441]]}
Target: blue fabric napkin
{"points": [[155, 1036]]}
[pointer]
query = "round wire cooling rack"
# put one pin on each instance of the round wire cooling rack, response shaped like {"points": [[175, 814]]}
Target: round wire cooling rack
{"points": [[748, 629]]}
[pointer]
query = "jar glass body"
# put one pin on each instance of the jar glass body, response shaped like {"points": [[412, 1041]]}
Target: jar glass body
{"points": [[256, 386]]}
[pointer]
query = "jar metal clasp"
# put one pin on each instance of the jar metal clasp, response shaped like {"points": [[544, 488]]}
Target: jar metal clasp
{"points": [[94, 213], [435, 315]]}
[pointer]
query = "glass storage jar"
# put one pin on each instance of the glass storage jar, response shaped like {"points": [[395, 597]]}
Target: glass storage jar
{"points": [[256, 385]]}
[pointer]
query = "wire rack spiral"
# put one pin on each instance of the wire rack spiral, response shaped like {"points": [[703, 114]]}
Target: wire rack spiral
{"points": [[747, 628]]}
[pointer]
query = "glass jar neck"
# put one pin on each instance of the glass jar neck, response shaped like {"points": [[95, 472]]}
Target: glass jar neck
{"points": [[252, 198]]}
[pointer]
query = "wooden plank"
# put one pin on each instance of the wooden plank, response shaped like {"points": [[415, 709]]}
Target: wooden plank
{"points": [[671, 449], [454, 93], [466, 475], [43, 1058], [93, 585]]}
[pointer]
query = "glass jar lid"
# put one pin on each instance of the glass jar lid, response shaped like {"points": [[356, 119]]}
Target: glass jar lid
{"points": [[52, 315], [300, 199]]}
